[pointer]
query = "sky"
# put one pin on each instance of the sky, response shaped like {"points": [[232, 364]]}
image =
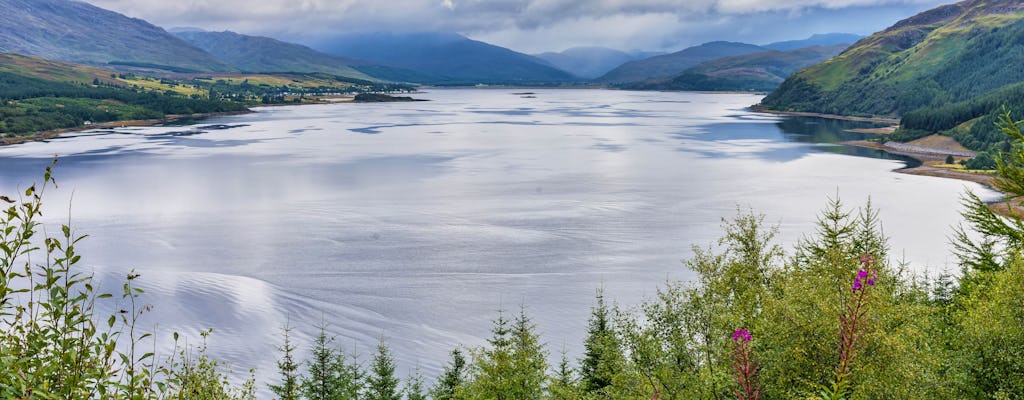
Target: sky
{"points": [[534, 26]]}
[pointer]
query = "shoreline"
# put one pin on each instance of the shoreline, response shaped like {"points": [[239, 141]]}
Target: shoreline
{"points": [[50, 134], [924, 169], [877, 120]]}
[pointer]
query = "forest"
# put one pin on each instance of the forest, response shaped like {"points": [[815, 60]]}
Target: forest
{"points": [[29, 104], [836, 316]]}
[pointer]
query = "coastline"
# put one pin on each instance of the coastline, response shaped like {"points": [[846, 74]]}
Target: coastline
{"points": [[878, 120], [44, 135], [927, 158]]}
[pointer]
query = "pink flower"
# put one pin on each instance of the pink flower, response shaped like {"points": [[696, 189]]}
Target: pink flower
{"points": [[742, 335]]}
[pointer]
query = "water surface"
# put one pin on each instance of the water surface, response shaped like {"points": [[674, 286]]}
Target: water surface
{"points": [[417, 221]]}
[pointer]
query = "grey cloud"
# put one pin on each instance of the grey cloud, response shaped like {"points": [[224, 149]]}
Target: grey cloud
{"points": [[524, 23]]}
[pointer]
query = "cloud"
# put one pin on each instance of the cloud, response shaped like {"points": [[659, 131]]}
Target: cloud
{"points": [[648, 24]]}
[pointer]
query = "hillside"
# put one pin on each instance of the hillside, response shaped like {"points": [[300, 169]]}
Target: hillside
{"points": [[587, 62], [762, 71], [77, 32], [667, 65], [443, 58], [263, 54], [40, 95], [950, 54]]}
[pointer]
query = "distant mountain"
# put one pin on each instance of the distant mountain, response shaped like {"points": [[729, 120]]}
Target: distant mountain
{"points": [[263, 54], [667, 65], [762, 71], [821, 39], [588, 62], [77, 32], [444, 58]]}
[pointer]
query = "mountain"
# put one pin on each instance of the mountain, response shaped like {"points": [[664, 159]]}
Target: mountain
{"points": [[263, 54], [949, 54], [819, 39], [667, 65], [762, 71], [77, 32], [444, 58], [587, 62]]}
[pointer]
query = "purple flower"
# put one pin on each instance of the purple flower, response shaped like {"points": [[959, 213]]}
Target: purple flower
{"points": [[866, 259], [871, 282], [742, 335], [862, 274], [857, 285]]}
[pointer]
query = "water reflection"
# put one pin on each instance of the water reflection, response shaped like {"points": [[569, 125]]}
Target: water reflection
{"points": [[422, 219]]}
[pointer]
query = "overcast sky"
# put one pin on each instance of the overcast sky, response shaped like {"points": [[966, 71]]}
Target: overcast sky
{"points": [[534, 26]]}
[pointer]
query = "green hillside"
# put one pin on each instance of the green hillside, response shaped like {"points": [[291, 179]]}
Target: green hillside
{"points": [[949, 54], [762, 71], [39, 95]]}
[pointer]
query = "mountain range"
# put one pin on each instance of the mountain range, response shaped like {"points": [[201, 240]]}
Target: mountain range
{"points": [[762, 71], [445, 58], [263, 54], [667, 65]]}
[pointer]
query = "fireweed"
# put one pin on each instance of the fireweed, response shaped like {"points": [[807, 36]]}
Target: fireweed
{"points": [[744, 367], [851, 328]]}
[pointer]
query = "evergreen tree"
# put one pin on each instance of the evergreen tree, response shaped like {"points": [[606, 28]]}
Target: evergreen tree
{"points": [[414, 386], [330, 376], [287, 368], [602, 350], [563, 385], [529, 360], [381, 384], [451, 378]]}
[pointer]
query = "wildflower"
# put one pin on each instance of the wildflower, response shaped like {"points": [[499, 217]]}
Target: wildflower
{"points": [[862, 274], [857, 285], [745, 368]]}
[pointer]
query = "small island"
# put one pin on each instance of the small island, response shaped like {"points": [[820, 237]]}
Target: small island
{"points": [[381, 98]]}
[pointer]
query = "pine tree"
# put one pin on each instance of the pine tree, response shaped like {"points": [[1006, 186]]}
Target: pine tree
{"points": [[602, 350], [451, 378], [288, 389], [414, 386], [330, 376], [529, 360], [492, 365], [563, 385], [381, 384]]}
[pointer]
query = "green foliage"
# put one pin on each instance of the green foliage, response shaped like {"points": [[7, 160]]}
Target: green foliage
{"points": [[192, 375], [287, 367], [564, 385], [29, 104], [452, 377], [414, 389], [512, 366], [381, 383], [602, 358], [329, 375], [53, 343]]}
